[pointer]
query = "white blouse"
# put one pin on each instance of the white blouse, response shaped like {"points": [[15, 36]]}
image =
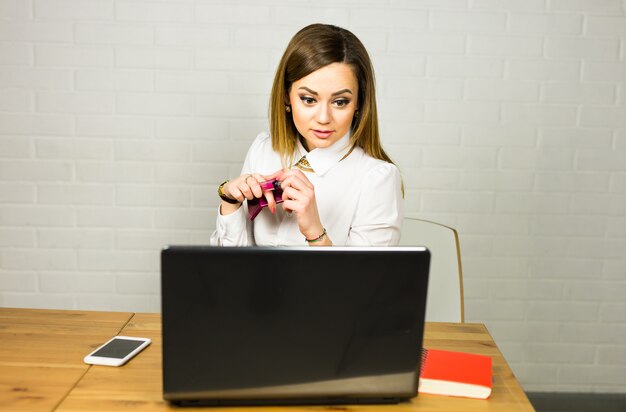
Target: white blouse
{"points": [[359, 200]]}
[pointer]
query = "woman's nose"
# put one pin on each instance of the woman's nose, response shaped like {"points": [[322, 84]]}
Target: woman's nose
{"points": [[323, 114]]}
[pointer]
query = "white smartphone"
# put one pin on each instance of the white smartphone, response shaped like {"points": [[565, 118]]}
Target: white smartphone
{"points": [[117, 351]]}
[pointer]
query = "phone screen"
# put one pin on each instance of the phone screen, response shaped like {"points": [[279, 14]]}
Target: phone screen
{"points": [[118, 348]]}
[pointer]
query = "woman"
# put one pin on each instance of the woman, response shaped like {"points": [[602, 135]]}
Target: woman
{"points": [[338, 185]]}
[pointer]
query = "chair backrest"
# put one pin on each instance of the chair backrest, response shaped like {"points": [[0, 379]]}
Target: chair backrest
{"points": [[445, 286]]}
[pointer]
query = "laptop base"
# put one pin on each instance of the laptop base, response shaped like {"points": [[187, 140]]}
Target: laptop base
{"points": [[282, 402]]}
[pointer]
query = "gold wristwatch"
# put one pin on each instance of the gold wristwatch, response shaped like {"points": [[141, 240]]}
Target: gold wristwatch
{"points": [[222, 195]]}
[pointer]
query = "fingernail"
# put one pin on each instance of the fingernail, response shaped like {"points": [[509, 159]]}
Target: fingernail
{"points": [[273, 209]]}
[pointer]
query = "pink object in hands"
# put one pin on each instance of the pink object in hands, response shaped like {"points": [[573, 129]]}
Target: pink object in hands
{"points": [[256, 205]]}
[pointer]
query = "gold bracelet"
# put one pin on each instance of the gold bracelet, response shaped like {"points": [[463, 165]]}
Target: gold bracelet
{"points": [[317, 239], [222, 195]]}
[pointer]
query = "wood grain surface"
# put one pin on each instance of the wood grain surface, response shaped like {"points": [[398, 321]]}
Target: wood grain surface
{"points": [[137, 385], [41, 353], [42, 369]]}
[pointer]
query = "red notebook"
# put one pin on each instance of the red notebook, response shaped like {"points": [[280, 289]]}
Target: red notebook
{"points": [[455, 374]]}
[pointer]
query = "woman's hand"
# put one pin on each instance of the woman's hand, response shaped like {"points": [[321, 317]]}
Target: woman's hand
{"points": [[247, 186], [299, 198]]}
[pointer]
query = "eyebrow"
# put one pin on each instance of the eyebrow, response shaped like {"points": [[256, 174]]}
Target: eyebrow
{"points": [[334, 94]]}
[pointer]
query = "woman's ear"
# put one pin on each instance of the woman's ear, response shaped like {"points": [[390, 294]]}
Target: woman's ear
{"points": [[287, 104]]}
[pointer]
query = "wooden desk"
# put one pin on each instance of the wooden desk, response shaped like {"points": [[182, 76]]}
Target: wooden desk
{"points": [[65, 337], [41, 353]]}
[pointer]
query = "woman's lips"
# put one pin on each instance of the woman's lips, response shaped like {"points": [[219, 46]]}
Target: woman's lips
{"points": [[322, 134]]}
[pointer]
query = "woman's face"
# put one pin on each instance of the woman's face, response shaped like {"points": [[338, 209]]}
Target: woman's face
{"points": [[323, 104]]}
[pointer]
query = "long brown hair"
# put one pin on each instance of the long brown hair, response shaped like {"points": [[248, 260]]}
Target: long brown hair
{"points": [[312, 48]]}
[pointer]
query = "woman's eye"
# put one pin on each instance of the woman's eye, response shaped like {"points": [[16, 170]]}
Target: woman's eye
{"points": [[342, 102], [307, 100]]}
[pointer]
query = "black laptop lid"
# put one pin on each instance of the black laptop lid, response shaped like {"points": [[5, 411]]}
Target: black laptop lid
{"points": [[295, 325]]}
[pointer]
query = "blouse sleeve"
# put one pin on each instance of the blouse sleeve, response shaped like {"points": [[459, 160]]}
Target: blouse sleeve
{"points": [[380, 209], [232, 230], [236, 229]]}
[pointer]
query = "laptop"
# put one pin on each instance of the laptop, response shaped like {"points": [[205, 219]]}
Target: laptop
{"points": [[297, 325]]}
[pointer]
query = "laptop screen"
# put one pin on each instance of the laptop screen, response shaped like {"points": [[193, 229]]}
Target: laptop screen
{"points": [[298, 325]]}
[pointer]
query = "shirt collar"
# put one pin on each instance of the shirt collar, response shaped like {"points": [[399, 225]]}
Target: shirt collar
{"points": [[322, 159]]}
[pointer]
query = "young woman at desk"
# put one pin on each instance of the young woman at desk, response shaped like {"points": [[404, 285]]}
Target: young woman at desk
{"points": [[338, 185]]}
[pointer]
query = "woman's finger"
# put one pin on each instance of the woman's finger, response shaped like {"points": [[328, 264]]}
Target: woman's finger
{"points": [[296, 182]]}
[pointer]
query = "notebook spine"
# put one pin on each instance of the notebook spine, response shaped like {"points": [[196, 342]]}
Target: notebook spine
{"points": [[423, 362]]}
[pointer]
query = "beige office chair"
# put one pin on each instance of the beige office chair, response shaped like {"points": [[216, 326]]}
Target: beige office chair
{"points": [[445, 284]]}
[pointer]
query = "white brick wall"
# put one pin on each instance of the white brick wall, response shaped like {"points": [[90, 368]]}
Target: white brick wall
{"points": [[119, 118]]}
